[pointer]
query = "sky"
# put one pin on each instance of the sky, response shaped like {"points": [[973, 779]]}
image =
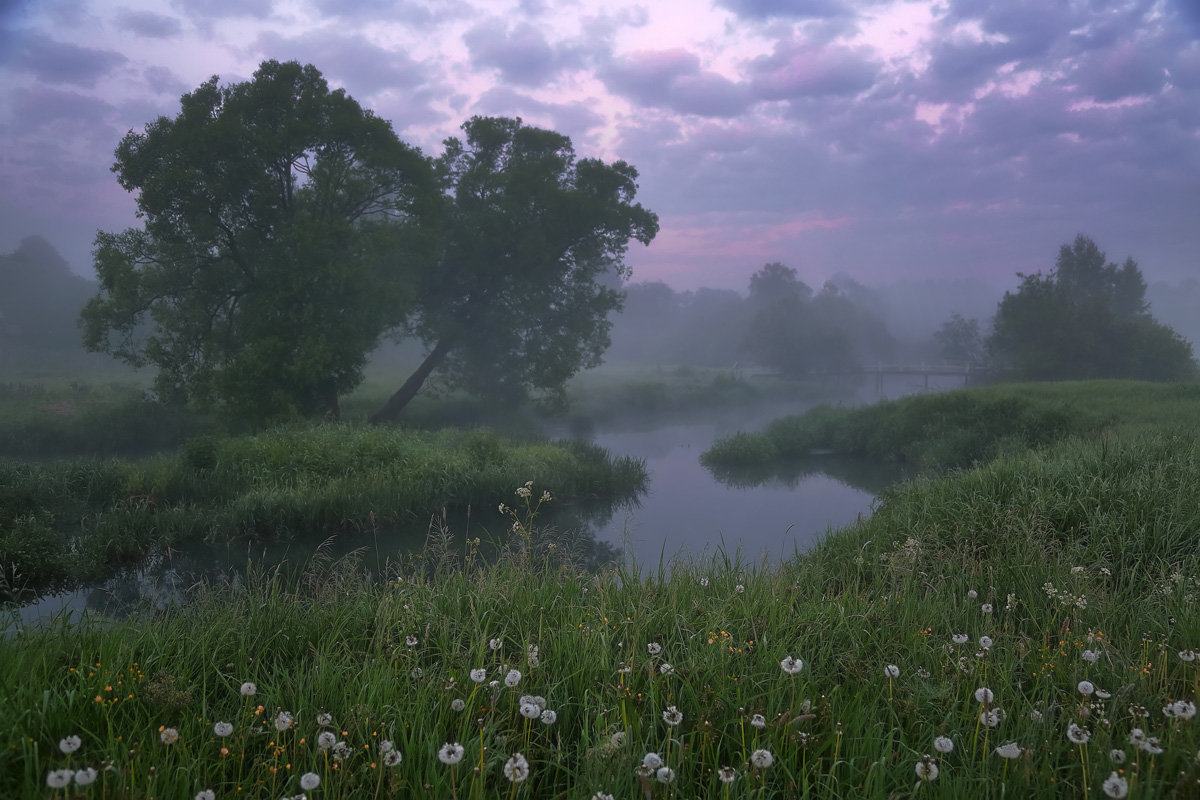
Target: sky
{"points": [[883, 140]]}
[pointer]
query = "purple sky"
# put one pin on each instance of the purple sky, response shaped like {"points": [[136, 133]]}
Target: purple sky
{"points": [[931, 139]]}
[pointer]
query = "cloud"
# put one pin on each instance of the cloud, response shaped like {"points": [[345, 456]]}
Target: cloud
{"points": [[521, 53], [350, 60], [796, 69], [163, 81], [1127, 70], [673, 79], [421, 14], [575, 119], [49, 109], [57, 62], [224, 9], [786, 9], [149, 24]]}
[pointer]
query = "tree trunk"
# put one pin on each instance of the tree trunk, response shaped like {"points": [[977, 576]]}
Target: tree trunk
{"points": [[391, 409]]}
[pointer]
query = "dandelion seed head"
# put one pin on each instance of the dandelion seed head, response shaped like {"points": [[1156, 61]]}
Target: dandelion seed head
{"points": [[665, 668], [410, 640], [985, 642], [758, 721], [959, 638], [943, 744], [986, 608], [392, 758], [665, 775], [494, 644], [762, 758], [450, 753], [1187, 655], [479, 675], [1091, 656], [791, 665], [530, 711], [739, 588], [1117, 755], [223, 729], [310, 781], [1077, 735], [892, 671], [1010, 750], [168, 736], [458, 704], [984, 695], [727, 774], [1115, 786], [1086, 688], [927, 770], [516, 769], [652, 761], [672, 716], [972, 594], [248, 689], [59, 778], [70, 744], [512, 678], [284, 720], [326, 740], [654, 648], [85, 776], [324, 719], [206, 794], [549, 717]]}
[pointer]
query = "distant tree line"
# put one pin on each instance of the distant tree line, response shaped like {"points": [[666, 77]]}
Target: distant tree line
{"points": [[1087, 318], [780, 323]]}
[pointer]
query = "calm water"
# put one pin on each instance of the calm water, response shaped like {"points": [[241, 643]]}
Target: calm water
{"points": [[687, 512]]}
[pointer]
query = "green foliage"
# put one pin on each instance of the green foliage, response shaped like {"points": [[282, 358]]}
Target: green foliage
{"points": [[798, 332], [81, 519], [936, 431], [1086, 319], [279, 243], [1076, 562], [519, 299], [958, 339]]}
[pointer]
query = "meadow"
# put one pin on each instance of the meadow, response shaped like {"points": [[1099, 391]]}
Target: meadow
{"points": [[1026, 626]]}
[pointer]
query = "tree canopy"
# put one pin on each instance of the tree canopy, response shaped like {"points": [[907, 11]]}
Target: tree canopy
{"points": [[284, 229], [530, 260], [1087, 318]]}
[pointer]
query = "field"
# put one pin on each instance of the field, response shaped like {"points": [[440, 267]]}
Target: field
{"points": [[1023, 627]]}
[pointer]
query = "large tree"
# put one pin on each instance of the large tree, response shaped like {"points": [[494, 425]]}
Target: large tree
{"points": [[1087, 318], [531, 254], [284, 230]]}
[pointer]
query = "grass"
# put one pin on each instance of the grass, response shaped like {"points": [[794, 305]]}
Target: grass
{"points": [[955, 429], [75, 520], [1063, 580]]}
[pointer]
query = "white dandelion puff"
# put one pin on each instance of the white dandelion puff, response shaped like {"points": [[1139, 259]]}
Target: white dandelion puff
{"points": [[665, 775], [479, 675], [1010, 750], [654, 648], [168, 735], [512, 678], [927, 770], [284, 720], [458, 704], [70, 744], [310, 781], [326, 740], [223, 729], [59, 778], [791, 665], [943, 744], [516, 769], [892, 671], [451, 753], [959, 638], [85, 776], [652, 761], [530, 711], [392, 758], [549, 717], [248, 689], [762, 758], [1115, 786], [758, 720], [1077, 735], [1086, 688], [727, 774], [984, 695], [672, 716]]}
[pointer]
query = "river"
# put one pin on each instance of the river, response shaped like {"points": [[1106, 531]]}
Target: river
{"points": [[687, 512]]}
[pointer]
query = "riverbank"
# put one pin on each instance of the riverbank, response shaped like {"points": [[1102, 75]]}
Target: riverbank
{"points": [[70, 521], [1026, 627]]}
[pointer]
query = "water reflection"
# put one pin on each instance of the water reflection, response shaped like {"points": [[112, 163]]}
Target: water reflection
{"points": [[867, 475]]}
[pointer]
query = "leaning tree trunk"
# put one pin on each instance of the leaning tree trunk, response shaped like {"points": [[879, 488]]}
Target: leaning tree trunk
{"points": [[391, 409]]}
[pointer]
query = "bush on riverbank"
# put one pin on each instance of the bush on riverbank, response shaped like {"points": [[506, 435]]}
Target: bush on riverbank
{"points": [[955, 429], [80, 519]]}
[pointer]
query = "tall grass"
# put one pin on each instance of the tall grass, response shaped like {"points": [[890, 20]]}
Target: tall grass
{"points": [[81, 519], [1053, 592]]}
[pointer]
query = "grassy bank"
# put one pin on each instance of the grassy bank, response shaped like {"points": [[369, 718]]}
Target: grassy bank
{"points": [[956, 429], [1025, 628], [74, 520]]}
